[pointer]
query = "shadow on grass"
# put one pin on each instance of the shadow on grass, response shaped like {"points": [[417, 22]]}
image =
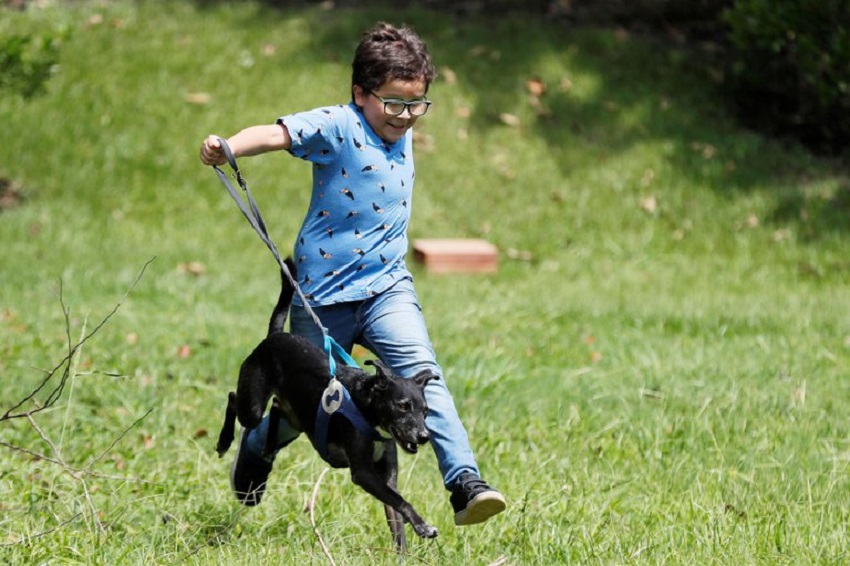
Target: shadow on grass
{"points": [[643, 92]]}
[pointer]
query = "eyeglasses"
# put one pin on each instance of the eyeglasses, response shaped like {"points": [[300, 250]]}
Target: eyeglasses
{"points": [[396, 107]]}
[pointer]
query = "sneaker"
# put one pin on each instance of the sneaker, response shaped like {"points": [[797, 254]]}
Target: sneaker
{"points": [[474, 501], [249, 474]]}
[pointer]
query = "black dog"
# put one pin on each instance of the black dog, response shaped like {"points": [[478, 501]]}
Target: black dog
{"points": [[295, 373]]}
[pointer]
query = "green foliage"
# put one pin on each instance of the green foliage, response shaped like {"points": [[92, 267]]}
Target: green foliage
{"points": [[26, 61], [790, 68], [656, 13]]}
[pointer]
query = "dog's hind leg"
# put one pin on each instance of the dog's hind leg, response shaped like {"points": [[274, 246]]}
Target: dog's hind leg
{"points": [[228, 429], [271, 434], [396, 524]]}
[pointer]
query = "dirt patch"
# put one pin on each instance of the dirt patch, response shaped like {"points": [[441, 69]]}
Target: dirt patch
{"points": [[11, 195]]}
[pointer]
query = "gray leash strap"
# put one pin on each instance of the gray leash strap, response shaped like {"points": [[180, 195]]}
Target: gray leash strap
{"points": [[252, 213]]}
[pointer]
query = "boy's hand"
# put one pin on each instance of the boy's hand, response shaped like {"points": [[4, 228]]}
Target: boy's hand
{"points": [[211, 152]]}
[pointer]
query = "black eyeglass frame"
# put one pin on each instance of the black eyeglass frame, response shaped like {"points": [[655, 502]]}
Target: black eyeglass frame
{"points": [[406, 105]]}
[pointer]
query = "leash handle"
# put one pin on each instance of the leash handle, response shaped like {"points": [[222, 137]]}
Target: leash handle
{"points": [[228, 154]]}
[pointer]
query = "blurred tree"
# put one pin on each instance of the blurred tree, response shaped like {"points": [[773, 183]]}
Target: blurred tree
{"points": [[789, 68]]}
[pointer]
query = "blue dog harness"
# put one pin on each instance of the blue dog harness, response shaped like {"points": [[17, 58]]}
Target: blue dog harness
{"points": [[336, 398]]}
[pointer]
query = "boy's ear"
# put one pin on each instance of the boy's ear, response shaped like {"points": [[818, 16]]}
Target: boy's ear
{"points": [[359, 95]]}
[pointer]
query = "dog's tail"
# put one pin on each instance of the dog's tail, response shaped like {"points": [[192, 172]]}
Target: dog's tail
{"points": [[281, 309]]}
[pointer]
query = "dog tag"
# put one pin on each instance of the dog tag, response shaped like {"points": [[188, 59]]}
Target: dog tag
{"points": [[332, 397]]}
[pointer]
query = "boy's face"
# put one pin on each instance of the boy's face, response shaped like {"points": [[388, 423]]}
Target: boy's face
{"points": [[389, 128]]}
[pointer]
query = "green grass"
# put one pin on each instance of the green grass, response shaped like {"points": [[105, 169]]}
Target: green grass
{"points": [[656, 375]]}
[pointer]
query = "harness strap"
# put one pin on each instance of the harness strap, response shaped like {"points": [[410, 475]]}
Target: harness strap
{"points": [[333, 347], [337, 400]]}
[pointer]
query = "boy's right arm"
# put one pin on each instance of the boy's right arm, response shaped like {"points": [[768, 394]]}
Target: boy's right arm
{"points": [[250, 141]]}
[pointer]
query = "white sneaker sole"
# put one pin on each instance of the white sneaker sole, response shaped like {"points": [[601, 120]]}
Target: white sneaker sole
{"points": [[481, 508]]}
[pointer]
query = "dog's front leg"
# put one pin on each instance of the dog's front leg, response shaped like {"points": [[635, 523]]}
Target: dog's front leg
{"points": [[396, 524], [388, 467], [364, 474]]}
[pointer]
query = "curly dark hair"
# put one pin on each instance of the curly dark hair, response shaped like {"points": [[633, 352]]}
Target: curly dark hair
{"points": [[386, 53]]}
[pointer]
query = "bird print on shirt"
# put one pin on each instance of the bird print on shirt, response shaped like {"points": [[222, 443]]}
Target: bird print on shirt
{"points": [[360, 207]]}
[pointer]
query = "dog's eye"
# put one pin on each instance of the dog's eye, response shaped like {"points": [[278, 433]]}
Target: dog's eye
{"points": [[405, 406]]}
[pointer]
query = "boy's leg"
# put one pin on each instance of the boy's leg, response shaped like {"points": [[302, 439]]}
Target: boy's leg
{"points": [[339, 320], [394, 328], [250, 471]]}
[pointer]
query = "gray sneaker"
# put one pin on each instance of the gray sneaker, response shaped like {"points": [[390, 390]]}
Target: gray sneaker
{"points": [[474, 501]]}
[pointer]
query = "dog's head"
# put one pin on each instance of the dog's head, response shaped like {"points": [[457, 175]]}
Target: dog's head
{"points": [[400, 407]]}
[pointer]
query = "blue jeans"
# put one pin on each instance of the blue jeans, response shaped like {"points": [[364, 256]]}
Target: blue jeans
{"points": [[390, 325]]}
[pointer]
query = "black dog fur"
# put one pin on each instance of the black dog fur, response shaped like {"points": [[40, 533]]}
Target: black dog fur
{"points": [[294, 372]]}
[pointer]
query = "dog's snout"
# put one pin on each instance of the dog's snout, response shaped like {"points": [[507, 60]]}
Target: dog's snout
{"points": [[423, 437]]}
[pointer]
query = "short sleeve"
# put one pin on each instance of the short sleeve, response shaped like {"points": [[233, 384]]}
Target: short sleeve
{"points": [[316, 134]]}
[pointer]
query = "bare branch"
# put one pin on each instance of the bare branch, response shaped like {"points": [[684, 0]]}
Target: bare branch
{"points": [[27, 540], [35, 455], [118, 439], [54, 395], [67, 369]]}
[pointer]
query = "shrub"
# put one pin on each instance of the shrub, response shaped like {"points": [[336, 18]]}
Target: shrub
{"points": [[789, 68], [26, 61]]}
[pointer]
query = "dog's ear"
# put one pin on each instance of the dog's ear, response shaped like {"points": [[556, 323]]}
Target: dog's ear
{"points": [[382, 373], [423, 377], [380, 368]]}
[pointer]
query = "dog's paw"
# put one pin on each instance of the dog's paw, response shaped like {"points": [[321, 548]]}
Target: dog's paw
{"points": [[425, 530]]}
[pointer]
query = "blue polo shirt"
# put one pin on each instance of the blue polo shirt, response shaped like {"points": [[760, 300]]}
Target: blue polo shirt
{"points": [[353, 240]]}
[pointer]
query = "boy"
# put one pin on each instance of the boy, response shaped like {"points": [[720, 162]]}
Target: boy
{"points": [[351, 247]]}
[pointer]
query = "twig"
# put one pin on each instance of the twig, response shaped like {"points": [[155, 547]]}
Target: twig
{"points": [[32, 453], [118, 439], [54, 395], [311, 508], [75, 474], [26, 540], [68, 371], [38, 456]]}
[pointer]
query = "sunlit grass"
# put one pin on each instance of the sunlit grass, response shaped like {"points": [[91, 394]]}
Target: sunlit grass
{"points": [[656, 375]]}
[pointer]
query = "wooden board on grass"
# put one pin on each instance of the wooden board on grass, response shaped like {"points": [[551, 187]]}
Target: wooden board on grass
{"points": [[456, 255]]}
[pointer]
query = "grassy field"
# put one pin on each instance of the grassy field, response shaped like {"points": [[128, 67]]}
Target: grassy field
{"points": [[656, 375]]}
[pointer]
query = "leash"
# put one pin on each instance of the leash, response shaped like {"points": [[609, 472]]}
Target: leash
{"points": [[252, 212], [336, 397]]}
